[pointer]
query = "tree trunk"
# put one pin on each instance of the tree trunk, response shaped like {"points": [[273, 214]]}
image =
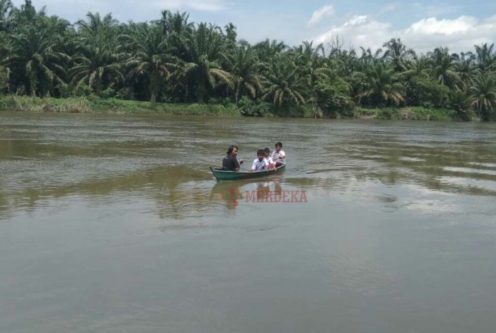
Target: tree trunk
{"points": [[154, 86], [237, 94], [8, 80], [201, 93]]}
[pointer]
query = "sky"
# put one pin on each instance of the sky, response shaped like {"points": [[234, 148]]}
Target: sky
{"points": [[421, 25]]}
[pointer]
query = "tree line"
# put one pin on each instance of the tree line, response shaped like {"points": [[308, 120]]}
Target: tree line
{"points": [[174, 60]]}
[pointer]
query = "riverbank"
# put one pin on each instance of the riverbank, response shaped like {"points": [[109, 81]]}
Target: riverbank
{"points": [[111, 105], [118, 106], [411, 113]]}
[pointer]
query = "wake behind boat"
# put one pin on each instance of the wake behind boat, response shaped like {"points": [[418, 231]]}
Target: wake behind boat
{"points": [[221, 174]]}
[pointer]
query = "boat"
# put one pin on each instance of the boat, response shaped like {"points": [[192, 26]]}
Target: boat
{"points": [[220, 174]]}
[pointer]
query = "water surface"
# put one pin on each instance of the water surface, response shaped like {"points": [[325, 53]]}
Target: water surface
{"points": [[114, 224]]}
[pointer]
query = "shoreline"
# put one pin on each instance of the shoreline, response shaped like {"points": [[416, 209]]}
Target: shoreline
{"points": [[12, 103]]}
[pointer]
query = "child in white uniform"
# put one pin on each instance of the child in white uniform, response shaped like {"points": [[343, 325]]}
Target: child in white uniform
{"points": [[278, 155], [270, 162], [260, 163]]}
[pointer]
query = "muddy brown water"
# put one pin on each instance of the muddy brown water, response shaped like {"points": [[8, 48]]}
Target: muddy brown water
{"points": [[112, 223]]}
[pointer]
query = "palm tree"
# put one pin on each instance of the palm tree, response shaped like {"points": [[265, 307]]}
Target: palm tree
{"points": [[420, 87], [5, 14], [268, 49], [231, 35], [200, 66], [320, 80], [345, 62], [306, 52], [4, 79], [486, 56], [177, 28], [284, 84], [444, 68], [461, 103], [175, 23], [382, 85], [150, 56], [465, 68], [244, 66], [97, 64], [368, 58], [97, 30], [96, 67], [330, 92], [36, 51], [483, 95], [25, 16], [397, 53], [4, 47]]}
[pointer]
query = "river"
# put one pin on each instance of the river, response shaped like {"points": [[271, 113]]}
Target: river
{"points": [[113, 223]]}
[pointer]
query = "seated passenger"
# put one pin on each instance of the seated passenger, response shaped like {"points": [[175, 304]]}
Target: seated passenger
{"points": [[278, 155], [270, 162], [230, 162], [260, 163]]}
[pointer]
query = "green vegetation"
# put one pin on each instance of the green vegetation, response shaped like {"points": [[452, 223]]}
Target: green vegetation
{"points": [[112, 105], [176, 66], [409, 113]]}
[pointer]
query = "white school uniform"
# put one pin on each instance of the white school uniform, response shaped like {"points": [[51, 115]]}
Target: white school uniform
{"points": [[279, 156], [259, 165]]}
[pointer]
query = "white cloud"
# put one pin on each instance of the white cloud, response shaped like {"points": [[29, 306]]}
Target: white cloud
{"points": [[358, 31], [431, 26], [459, 34], [321, 13]]}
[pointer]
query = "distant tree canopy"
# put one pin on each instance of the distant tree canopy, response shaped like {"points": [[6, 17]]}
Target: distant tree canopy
{"points": [[174, 60]]}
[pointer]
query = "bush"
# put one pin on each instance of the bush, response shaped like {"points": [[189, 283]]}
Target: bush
{"points": [[438, 114], [82, 91], [375, 113], [3, 79], [108, 93], [250, 108]]}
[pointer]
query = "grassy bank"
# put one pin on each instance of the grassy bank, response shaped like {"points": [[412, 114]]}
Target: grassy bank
{"points": [[112, 105], [411, 113]]}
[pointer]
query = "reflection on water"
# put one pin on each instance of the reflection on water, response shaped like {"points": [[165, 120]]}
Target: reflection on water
{"points": [[52, 158], [229, 192], [259, 191], [49, 157], [115, 224]]}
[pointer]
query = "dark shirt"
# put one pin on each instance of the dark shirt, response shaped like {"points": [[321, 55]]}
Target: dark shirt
{"points": [[230, 163]]}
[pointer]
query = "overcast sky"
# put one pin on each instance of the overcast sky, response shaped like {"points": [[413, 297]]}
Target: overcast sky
{"points": [[422, 25]]}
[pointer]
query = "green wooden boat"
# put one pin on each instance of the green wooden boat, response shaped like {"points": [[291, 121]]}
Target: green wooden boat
{"points": [[236, 175]]}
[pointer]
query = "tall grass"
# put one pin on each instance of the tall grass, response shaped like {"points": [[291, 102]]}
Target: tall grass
{"points": [[110, 105], [119, 106]]}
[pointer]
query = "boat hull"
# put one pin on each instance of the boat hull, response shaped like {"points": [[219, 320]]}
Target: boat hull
{"points": [[236, 175]]}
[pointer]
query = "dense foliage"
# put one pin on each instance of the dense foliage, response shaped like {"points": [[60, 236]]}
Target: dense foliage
{"points": [[174, 60]]}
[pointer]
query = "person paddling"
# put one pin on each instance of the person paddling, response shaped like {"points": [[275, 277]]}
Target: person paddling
{"points": [[278, 155], [260, 163], [230, 162]]}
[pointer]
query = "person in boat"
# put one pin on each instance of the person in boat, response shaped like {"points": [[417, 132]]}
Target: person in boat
{"points": [[278, 155], [230, 162], [270, 162], [260, 163]]}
